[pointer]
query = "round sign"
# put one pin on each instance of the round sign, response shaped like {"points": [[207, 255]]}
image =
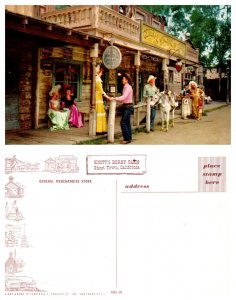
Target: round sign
{"points": [[111, 57]]}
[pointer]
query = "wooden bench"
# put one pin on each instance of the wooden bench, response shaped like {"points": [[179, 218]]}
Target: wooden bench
{"points": [[84, 110]]}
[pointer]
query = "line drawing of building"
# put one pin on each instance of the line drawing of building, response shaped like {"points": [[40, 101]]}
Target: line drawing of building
{"points": [[13, 265], [13, 189], [15, 165], [13, 282], [62, 164]]}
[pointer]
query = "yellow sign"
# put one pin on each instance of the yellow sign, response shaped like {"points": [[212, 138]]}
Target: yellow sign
{"points": [[162, 40]]}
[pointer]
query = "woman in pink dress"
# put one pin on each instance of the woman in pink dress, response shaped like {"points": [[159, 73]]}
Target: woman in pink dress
{"points": [[68, 101]]}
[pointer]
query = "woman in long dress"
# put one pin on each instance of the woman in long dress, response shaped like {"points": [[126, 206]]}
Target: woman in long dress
{"points": [[101, 119], [58, 117], [68, 101]]}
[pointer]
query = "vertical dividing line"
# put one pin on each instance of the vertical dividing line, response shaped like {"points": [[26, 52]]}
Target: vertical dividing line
{"points": [[116, 240]]}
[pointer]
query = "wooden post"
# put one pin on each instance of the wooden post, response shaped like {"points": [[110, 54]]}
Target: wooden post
{"points": [[228, 81], [137, 86], [137, 109], [92, 122], [183, 76], [148, 115], [165, 72], [92, 113], [111, 121], [137, 64], [136, 118]]}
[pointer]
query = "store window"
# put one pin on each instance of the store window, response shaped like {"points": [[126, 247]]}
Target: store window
{"points": [[171, 76], [122, 9], [119, 82], [68, 74], [140, 16], [57, 7], [156, 24]]}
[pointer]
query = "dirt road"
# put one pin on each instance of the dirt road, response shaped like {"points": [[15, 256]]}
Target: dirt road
{"points": [[213, 129]]}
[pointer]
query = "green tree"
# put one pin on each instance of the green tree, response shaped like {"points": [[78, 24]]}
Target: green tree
{"points": [[209, 27]]}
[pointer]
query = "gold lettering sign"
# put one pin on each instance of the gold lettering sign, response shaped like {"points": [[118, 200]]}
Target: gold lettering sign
{"points": [[161, 40]]}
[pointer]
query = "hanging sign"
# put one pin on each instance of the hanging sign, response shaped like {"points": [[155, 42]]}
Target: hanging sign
{"points": [[46, 64], [111, 57], [178, 66], [46, 52], [67, 53]]}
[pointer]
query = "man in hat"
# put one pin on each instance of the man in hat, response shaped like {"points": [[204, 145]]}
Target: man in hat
{"points": [[127, 108], [150, 90]]}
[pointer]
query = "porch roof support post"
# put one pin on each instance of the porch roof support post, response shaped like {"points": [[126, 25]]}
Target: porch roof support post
{"points": [[165, 70], [111, 121], [137, 65], [92, 113], [136, 111], [148, 117], [183, 76]]}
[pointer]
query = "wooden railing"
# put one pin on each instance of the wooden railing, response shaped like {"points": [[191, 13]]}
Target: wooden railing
{"points": [[85, 17], [72, 17], [114, 22]]}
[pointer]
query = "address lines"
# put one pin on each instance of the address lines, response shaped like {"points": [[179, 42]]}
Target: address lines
{"points": [[160, 192]]}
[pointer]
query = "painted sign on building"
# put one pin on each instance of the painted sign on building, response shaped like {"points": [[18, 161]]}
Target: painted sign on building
{"points": [[162, 40]]}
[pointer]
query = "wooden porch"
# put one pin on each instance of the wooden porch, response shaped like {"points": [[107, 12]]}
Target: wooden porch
{"points": [[72, 136], [43, 136]]}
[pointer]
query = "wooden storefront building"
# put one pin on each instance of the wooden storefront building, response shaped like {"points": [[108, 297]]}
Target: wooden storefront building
{"points": [[47, 46]]}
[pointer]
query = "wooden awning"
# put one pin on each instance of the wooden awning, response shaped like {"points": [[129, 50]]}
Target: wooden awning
{"points": [[40, 28]]}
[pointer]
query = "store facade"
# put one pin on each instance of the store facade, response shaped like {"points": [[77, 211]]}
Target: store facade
{"points": [[38, 56], [63, 47]]}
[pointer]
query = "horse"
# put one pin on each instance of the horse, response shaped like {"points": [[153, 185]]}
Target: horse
{"points": [[167, 104]]}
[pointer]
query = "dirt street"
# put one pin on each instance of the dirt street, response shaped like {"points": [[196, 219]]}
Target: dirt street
{"points": [[215, 128]]}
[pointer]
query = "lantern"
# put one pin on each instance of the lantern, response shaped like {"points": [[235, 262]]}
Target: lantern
{"points": [[178, 66]]}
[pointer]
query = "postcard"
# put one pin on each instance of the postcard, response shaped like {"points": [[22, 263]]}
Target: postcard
{"points": [[146, 212]]}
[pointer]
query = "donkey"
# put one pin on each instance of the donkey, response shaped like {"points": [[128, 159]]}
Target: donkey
{"points": [[167, 104]]}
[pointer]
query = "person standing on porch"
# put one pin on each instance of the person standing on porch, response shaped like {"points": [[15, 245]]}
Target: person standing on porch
{"points": [[150, 90], [127, 108], [101, 119]]}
